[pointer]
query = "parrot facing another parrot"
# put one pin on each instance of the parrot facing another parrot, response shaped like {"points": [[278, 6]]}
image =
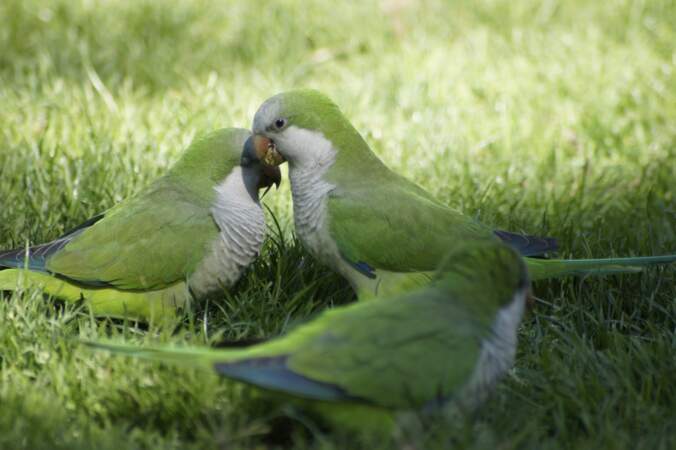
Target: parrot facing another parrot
{"points": [[191, 232], [376, 228], [446, 343]]}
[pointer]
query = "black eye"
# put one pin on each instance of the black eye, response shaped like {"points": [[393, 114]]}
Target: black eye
{"points": [[279, 123]]}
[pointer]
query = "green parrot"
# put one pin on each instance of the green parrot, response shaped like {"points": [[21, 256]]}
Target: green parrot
{"points": [[371, 225], [432, 349], [189, 233]]}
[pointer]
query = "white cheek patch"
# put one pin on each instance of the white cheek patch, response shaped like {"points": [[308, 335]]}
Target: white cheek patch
{"points": [[305, 148]]}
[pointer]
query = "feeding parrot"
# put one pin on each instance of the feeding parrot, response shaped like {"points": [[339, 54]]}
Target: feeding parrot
{"points": [[438, 347], [371, 225], [191, 232]]}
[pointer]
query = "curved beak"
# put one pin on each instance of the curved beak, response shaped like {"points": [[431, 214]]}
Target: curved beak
{"points": [[271, 175]]}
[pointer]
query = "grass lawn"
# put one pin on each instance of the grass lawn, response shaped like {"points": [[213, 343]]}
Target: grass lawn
{"points": [[553, 117]]}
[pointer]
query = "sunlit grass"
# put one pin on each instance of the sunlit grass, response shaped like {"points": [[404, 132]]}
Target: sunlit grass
{"points": [[554, 118]]}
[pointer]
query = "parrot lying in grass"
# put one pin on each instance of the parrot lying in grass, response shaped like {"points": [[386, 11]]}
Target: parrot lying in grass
{"points": [[191, 232], [434, 349], [373, 226]]}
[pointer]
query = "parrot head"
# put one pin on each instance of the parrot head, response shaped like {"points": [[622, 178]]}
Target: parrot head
{"points": [[506, 271], [212, 158], [303, 127]]}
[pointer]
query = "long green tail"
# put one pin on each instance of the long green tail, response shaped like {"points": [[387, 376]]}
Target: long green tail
{"points": [[258, 365], [186, 356], [539, 269], [238, 365]]}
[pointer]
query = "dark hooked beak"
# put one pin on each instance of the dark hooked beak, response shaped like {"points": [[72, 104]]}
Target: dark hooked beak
{"points": [[271, 175]]}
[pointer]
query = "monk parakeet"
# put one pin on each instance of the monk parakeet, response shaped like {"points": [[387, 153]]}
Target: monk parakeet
{"points": [[191, 232], [371, 225], [438, 346]]}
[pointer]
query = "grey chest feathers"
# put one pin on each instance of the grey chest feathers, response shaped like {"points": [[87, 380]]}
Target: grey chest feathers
{"points": [[310, 210], [241, 221]]}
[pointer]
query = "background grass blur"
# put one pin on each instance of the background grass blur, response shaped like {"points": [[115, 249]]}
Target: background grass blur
{"points": [[549, 117]]}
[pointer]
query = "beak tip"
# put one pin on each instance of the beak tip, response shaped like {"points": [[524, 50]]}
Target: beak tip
{"points": [[271, 175]]}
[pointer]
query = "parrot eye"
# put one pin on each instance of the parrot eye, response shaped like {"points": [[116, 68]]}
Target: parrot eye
{"points": [[279, 123]]}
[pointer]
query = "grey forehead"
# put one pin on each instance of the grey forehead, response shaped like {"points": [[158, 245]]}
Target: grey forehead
{"points": [[267, 112]]}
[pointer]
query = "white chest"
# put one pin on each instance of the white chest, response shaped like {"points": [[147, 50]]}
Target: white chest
{"points": [[310, 193], [310, 212], [241, 221]]}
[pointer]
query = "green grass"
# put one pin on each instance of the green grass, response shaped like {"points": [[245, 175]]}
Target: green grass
{"points": [[553, 117]]}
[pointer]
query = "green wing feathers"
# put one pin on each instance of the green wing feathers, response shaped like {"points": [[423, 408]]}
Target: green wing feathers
{"points": [[402, 352], [151, 242], [411, 235], [353, 354], [396, 353]]}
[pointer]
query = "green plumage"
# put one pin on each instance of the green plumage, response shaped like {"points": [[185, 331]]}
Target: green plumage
{"points": [[411, 236], [390, 231], [407, 352], [141, 244], [151, 306], [141, 253]]}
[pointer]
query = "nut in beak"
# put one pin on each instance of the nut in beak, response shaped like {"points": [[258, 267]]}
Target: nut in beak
{"points": [[266, 151]]}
